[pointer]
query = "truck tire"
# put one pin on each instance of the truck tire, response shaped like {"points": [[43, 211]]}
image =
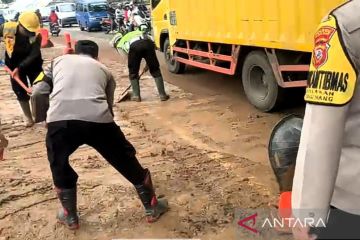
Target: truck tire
{"points": [[61, 23], [260, 85], [173, 66]]}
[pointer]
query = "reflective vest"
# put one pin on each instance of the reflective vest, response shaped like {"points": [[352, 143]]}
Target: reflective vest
{"points": [[9, 36], [128, 39], [9, 33]]}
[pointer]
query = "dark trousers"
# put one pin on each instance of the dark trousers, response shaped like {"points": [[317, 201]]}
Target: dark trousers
{"points": [[143, 49], [64, 137], [20, 93], [341, 225]]}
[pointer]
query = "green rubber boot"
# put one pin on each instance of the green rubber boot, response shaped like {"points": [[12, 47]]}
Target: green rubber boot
{"points": [[68, 214], [25, 107], [159, 81], [135, 94], [154, 207]]}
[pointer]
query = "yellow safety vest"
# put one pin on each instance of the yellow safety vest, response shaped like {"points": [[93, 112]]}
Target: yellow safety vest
{"points": [[9, 33]]}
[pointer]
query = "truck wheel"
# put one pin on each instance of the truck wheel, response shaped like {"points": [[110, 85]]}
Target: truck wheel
{"points": [[61, 24], [81, 27], [173, 66], [260, 85]]}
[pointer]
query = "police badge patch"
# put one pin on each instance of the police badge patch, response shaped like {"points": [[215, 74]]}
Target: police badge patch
{"points": [[322, 46], [332, 76]]}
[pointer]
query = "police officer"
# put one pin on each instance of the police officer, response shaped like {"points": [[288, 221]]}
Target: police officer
{"points": [[80, 112], [138, 45], [327, 176], [23, 55]]}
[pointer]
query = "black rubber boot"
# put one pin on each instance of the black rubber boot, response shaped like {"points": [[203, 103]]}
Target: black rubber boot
{"points": [[154, 207], [161, 89], [135, 94], [68, 214]]}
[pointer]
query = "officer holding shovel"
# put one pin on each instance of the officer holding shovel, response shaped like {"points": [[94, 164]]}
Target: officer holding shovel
{"points": [[23, 56], [80, 92], [138, 45]]}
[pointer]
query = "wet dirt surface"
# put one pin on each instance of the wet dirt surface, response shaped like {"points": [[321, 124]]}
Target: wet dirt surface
{"points": [[206, 148]]}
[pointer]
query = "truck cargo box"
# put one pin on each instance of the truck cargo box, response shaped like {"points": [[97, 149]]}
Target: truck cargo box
{"points": [[279, 24]]}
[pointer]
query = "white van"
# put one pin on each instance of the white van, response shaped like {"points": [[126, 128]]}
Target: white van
{"points": [[66, 14]]}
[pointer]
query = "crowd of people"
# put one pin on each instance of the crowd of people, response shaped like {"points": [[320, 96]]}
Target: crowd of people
{"points": [[127, 17]]}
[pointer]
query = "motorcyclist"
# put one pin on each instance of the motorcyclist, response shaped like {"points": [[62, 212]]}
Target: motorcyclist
{"points": [[53, 18], [127, 13], [111, 16], [119, 17], [137, 20]]}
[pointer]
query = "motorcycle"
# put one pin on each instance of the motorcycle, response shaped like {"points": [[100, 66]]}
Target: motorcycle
{"points": [[113, 25], [106, 25], [54, 29]]}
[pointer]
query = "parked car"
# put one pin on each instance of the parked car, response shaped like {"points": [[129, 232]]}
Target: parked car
{"points": [[89, 13], [2, 19], [66, 13]]}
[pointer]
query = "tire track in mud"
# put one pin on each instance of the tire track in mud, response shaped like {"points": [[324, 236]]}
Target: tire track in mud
{"points": [[205, 167]]}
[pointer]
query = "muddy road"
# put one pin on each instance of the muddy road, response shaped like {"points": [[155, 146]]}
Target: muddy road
{"points": [[206, 149]]}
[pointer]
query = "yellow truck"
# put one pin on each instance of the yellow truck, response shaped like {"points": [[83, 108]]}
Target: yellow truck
{"points": [[269, 41]]}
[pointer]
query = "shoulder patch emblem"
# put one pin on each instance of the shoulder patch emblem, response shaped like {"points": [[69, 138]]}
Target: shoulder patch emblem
{"points": [[332, 76], [322, 45]]}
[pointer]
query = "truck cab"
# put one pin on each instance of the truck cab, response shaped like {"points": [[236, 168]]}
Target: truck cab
{"points": [[160, 22]]}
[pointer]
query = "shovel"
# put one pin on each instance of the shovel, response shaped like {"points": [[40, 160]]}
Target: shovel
{"points": [[124, 94], [39, 105], [28, 90]]}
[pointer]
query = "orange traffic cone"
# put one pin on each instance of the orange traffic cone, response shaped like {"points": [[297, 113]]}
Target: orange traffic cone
{"points": [[68, 48], [285, 210], [45, 41]]}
